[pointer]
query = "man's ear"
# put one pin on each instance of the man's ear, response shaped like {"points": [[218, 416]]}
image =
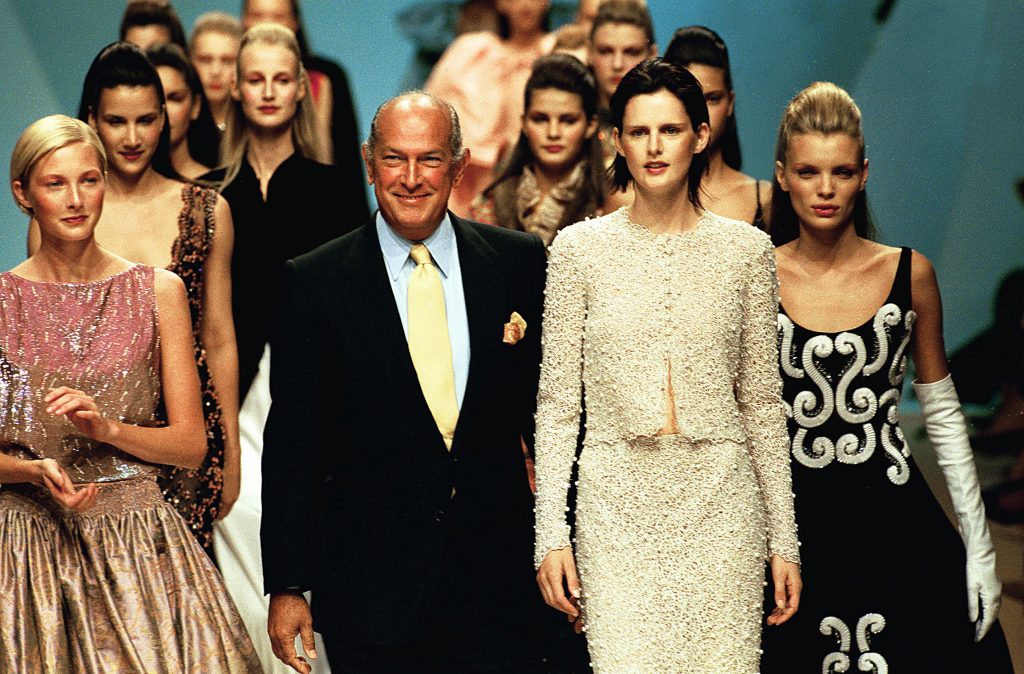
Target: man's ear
{"points": [[460, 167], [369, 164]]}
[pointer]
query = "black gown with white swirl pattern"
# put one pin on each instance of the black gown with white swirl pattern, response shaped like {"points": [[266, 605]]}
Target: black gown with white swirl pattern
{"points": [[883, 568]]}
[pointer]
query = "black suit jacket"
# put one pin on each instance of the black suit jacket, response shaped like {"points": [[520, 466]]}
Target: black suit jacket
{"points": [[357, 482]]}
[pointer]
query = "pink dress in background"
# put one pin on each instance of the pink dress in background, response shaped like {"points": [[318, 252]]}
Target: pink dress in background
{"points": [[122, 587], [483, 79]]}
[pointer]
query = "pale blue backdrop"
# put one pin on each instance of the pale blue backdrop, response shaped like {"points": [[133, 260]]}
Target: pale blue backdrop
{"points": [[939, 84]]}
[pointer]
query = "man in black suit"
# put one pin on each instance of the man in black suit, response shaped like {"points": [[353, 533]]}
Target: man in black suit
{"points": [[411, 525]]}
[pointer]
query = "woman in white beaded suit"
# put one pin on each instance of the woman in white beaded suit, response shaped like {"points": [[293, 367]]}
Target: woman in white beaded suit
{"points": [[664, 314]]}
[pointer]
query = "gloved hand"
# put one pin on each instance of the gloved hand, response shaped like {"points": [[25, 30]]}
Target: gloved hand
{"points": [[947, 432]]}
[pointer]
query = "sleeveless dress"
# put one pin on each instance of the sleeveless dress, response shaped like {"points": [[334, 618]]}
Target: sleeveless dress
{"points": [[195, 493], [883, 569], [123, 586], [672, 531]]}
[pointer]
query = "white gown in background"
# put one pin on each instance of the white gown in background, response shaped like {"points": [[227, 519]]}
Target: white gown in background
{"points": [[236, 540]]}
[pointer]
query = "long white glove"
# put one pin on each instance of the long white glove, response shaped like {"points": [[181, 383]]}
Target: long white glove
{"points": [[947, 432]]}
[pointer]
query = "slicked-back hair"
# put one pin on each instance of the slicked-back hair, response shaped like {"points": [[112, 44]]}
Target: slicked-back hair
{"points": [[624, 11], [150, 13], [124, 64], [700, 44], [203, 136], [42, 137], [823, 108]]}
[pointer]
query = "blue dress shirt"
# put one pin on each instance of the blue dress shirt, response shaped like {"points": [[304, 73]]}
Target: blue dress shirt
{"points": [[444, 250]]}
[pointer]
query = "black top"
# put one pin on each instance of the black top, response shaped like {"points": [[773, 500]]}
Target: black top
{"points": [[883, 570], [344, 131], [307, 204]]}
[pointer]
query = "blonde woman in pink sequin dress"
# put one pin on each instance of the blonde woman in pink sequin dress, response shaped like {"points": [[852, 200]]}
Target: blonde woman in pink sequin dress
{"points": [[97, 572]]}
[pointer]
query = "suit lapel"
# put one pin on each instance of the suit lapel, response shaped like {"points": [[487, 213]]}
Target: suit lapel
{"points": [[484, 287], [375, 317]]}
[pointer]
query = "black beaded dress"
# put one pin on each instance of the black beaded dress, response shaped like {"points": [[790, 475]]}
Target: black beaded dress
{"points": [[195, 493], [883, 569]]}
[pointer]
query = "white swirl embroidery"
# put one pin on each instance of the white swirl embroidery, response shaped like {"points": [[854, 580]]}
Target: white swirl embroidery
{"points": [[819, 346], [822, 451], [899, 472], [839, 661], [786, 359], [864, 403], [899, 360], [888, 315], [849, 449]]}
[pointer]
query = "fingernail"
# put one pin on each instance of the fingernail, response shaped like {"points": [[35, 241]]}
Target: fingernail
{"points": [[576, 592]]}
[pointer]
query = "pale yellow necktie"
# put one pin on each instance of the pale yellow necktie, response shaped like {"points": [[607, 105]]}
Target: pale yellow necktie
{"points": [[429, 346]]}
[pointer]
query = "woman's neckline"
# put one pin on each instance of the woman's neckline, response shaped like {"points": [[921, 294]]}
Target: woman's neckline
{"points": [[888, 300], [99, 281], [698, 226]]}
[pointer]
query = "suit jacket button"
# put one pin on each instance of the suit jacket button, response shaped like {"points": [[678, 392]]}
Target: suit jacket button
{"points": [[439, 516]]}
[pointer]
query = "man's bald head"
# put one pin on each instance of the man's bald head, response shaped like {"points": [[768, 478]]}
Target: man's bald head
{"points": [[412, 101]]}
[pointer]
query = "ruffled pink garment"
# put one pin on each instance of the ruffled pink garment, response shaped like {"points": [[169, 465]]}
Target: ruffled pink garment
{"points": [[483, 79]]}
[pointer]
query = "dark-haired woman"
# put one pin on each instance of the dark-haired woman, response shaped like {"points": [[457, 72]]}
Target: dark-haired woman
{"points": [[684, 486], [554, 176], [482, 76], [893, 588], [152, 217], [725, 189], [194, 135]]}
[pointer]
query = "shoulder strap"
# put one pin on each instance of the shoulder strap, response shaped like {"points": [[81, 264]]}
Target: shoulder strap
{"points": [[758, 214], [901, 287]]}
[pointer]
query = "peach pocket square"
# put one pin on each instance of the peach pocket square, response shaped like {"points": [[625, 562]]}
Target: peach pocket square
{"points": [[515, 329]]}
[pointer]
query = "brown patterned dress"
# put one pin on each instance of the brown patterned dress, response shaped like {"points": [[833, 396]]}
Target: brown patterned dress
{"points": [[196, 493]]}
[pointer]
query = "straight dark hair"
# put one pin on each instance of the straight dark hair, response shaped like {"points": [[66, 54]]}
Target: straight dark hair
{"points": [[203, 137], [565, 73], [124, 64], [700, 44], [648, 77]]}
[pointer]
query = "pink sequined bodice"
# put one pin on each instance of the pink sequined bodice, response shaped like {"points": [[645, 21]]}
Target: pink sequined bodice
{"points": [[100, 337]]}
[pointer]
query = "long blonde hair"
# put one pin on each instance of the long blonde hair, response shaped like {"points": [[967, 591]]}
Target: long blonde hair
{"points": [[235, 143]]}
